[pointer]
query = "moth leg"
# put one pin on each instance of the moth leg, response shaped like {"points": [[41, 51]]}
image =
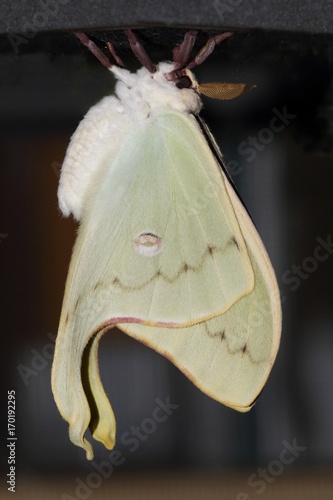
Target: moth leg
{"points": [[113, 52], [97, 52], [208, 49], [93, 49], [181, 52], [140, 52]]}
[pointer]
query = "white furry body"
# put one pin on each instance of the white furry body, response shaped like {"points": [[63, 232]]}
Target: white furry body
{"points": [[95, 143]]}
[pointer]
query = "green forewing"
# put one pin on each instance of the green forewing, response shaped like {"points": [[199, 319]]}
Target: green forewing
{"points": [[166, 182]]}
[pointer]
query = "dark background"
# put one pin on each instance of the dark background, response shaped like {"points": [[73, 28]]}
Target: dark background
{"points": [[48, 82]]}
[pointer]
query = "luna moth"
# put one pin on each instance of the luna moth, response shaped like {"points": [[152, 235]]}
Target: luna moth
{"points": [[165, 249]]}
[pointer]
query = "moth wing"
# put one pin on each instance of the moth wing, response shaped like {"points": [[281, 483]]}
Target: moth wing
{"points": [[230, 356], [210, 268], [165, 183]]}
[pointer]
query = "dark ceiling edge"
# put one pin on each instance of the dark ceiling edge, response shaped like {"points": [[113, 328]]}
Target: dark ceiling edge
{"points": [[181, 26], [301, 16]]}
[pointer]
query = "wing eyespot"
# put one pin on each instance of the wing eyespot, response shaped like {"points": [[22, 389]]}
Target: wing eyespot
{"points": [[148, 244]]}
